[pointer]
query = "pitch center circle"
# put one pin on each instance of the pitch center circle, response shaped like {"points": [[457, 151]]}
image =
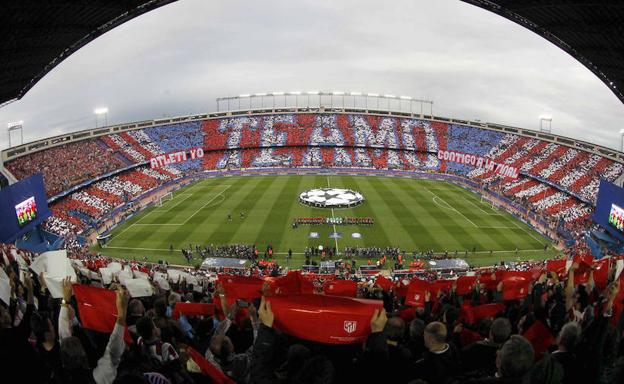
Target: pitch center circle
{"points": [[331, 198]]}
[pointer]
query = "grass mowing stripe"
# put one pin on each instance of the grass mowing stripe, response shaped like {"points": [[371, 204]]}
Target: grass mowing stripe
{"points": [[425, 228], [225, 231], [277, 222], [375, 234], [385, 208], [460, 230], [256, 210], [497, 239], [184, 235]]}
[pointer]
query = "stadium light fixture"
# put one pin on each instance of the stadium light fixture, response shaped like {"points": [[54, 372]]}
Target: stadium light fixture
{"points": [[545, 117], [14, 124], [621, 131], [337, 93], [390, 96], [356, 93], [373, 94], [278, 93], [101, 111], [296, 93], [244, 95], [313, 92], [405, 98], [260, 94]]}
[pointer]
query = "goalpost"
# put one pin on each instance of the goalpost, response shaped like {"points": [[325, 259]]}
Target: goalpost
{"points": [[164, 198]]}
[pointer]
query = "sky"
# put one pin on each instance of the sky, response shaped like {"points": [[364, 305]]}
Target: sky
{"points": [[178, 59]]}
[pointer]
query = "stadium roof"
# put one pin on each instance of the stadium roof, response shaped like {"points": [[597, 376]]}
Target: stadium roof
{"points": [[37, 35], [592, 31]]}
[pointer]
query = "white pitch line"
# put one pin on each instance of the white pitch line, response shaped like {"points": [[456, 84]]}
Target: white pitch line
{"points": [[176, 204], [528, 232], [335, 233], [136, 223], [453, 208], [208, 202]]}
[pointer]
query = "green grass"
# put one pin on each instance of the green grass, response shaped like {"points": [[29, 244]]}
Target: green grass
{"points": [[411, 214]]}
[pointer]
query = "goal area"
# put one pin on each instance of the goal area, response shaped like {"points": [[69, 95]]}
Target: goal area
{"points": [[164, 198]]}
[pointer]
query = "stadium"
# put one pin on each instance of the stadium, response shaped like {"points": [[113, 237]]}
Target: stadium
{"points": [[317, 236]]}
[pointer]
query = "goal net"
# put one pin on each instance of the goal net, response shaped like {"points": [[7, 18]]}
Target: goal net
{"points": [[164, 198]]}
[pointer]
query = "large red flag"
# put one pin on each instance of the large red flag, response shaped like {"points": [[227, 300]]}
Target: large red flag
{"points": [[516, 285], [208, 369], [416, 292], [347, 288], [97, 308], [324, 319], [465, 284], [241, 287], [487, 280], [193, 309], [540, 337], [439, 286], [557, 266], [385, 283], [473, 314], [601, 273], [292, 283]]}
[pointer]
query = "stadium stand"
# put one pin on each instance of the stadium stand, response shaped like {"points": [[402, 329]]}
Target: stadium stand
{"points": [[556, 181]]}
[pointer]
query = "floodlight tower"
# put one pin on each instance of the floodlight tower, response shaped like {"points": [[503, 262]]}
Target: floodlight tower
{"points": [[16, 126], [545, 123], [621, 140], [99, 112]]}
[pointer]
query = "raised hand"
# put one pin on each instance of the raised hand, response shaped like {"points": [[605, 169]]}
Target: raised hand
{"points": [[67, 289], [122, 304], [378, 321], [266, 313]]}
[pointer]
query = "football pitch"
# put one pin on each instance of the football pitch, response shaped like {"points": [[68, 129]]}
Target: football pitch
{"points": [[410, 214]]}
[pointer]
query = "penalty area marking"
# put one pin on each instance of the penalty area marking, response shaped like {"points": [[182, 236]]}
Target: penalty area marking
{"points": [[448, 206], [208, 206], [200, 208]]}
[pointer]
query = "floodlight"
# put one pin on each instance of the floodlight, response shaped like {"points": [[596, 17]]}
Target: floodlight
{"points": [[313, 92], [356, 93], [100, 111], [337, 93], [244, 95], [405, 98], [14, 124]]}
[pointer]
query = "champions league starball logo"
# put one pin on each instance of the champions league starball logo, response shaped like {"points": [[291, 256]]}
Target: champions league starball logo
{"points": [[331, 198]]}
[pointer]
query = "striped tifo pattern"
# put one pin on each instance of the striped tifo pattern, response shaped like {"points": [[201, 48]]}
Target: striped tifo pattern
{"points": [[411, 214]]}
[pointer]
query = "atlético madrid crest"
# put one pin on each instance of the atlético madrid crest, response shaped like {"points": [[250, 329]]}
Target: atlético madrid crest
{"points": [[350, 326]]}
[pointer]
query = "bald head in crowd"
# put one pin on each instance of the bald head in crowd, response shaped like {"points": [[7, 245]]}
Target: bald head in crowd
{"points": [[435, 336]]}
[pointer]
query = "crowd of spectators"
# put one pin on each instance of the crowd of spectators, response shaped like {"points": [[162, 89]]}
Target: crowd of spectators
{"points": [[66, 165], [565, 327]]}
